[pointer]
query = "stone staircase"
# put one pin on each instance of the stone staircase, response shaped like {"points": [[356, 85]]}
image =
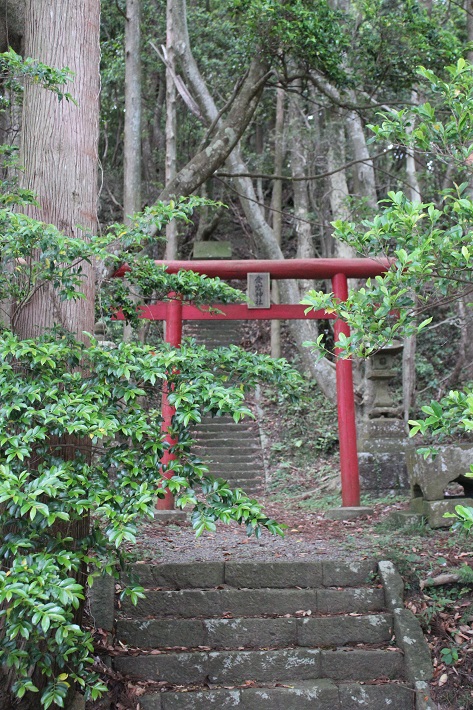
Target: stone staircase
{"points": [[232, 450], [274, 636]]}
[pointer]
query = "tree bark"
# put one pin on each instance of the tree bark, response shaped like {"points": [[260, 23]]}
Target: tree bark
{"points": [[132, 125], [171, 124], [59, 149], [364, 171], [276, 209]]}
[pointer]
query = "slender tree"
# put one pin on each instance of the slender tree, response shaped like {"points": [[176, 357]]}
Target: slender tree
{"points": [[132, 124]]}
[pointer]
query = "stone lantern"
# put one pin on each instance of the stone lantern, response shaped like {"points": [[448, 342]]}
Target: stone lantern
{"points": [[381, 375], [382, 438]]}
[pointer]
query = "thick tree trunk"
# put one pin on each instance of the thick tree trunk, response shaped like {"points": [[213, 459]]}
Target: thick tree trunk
{"points": [[59, 147]]}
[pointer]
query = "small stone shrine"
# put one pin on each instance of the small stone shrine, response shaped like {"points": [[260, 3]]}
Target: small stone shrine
{"points": [[382, 438]]}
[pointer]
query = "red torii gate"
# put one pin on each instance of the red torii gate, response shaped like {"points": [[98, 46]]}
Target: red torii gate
{"points": [[173, 312]]}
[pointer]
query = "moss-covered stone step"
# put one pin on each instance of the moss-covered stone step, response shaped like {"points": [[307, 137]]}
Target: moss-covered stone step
{"points": [[256, 633], [194, 603], [313, 695], [237, 667], [255, 575]]}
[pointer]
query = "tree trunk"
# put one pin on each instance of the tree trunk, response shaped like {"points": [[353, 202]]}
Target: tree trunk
{"points": [[410, 343], [364, 172], [132, 123], [171, 124], [132, 126], [59, 147], [276, 210]]}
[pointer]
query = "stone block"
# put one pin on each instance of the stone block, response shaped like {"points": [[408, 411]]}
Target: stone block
{"points": [[256, 633], [102, 602], [391, 696], [201, 700], [342, 630], [276, 574], [349, 513], [176, 668], [393, 585], [349, 573], [151, 701], [361, 665], [359, 601], [381, 428], [191, 603], [383, 470], [382, 443], [308, 695], [410, 639], [187, 575], [434, 510], [430, 477], [406, 518], [423, 698], [286, 664], [170, 516], [161, 633]]}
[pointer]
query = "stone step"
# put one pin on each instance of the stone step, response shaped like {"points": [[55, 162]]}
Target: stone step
{"points": [[195, 603], [228, 448], [243, 462], [221, 438], [238, 478], [235, 667], [229, 444], [304, 695], [257, 575], [256, 633]]}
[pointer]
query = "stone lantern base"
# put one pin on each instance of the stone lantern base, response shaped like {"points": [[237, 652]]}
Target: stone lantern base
{"points": [[382, 444]]}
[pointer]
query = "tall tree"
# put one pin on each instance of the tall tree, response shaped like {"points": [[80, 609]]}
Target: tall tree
{"points": [[59, 147]]}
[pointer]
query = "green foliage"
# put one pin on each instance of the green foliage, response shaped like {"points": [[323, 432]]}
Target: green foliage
{"points": [[311, 33], [449, 656], [14, 70], [464, 518], [390, 39]]}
